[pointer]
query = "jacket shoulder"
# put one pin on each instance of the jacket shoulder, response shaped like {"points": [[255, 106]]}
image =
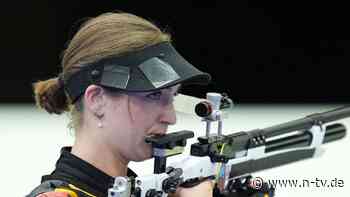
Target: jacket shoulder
{"points": [[49, 188], [54, 194]]}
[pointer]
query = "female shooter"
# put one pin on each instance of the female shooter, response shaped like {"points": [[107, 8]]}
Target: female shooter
{"points": [[119, 76]]}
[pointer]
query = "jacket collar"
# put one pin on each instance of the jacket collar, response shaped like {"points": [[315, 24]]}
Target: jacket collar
{"points": [[82, 174]]}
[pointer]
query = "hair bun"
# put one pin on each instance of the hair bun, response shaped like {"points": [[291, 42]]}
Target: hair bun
{"points": [[50, 95]]}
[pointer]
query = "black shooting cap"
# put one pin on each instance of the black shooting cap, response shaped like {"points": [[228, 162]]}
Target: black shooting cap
{"points": [[152, 68]]}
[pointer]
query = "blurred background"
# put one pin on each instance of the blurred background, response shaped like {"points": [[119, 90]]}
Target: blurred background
{"points": [[256, 51], [277, 60]]}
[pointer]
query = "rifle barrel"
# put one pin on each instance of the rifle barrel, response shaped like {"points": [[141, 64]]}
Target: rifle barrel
{"points": [[333, 132], [307, 122]]}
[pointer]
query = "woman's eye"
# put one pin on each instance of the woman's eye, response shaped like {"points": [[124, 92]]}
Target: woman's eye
{"points": [[154, 95]]}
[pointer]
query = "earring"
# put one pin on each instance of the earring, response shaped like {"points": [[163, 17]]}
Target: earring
{"points": [[99, 116]]}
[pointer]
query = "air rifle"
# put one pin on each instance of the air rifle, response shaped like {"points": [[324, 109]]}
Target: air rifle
{"points": [[230, 159]]}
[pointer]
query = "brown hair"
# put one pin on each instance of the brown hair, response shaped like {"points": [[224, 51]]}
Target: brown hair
{"points": [[105, 35]]}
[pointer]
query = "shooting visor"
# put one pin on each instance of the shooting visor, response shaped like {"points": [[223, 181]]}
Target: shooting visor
{"points": [[152, 68]]}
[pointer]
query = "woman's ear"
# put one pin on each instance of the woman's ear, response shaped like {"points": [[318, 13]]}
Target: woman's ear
{"points": [[95, 100]]}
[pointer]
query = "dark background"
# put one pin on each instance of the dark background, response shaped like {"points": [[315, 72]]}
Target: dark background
{"points": [[273, 51]]}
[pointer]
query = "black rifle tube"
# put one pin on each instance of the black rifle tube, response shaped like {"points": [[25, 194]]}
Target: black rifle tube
{"points": [[333, 132], [307, 122]]}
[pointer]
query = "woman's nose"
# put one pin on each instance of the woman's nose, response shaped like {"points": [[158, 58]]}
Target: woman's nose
{"points": [[169, 115]]}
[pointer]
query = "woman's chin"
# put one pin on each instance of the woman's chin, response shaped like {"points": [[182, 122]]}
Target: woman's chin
{"points": [[143, 158], [145, 154]]}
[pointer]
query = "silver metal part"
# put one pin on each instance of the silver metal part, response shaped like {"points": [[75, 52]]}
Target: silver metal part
{"points": [[215, 101], [121, 187], [151, 182], [193, 166], [220, 127], [207, 131], [318, 133]]}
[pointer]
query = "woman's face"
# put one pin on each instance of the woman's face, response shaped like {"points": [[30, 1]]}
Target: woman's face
{"points": [[132, 117]]}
